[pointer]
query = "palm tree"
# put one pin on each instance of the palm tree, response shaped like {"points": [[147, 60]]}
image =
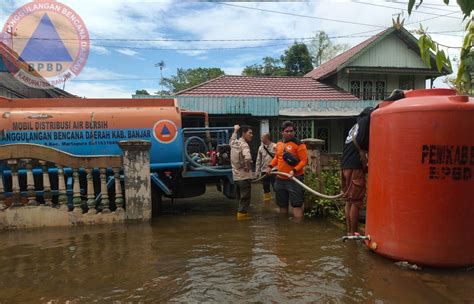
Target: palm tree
{"points": [[161, 65]]}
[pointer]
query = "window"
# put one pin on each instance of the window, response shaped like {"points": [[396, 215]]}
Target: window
{"points": [[367, 90], [303, 128], [323, 133], [355, 88], [380, 90], [406, 82]]}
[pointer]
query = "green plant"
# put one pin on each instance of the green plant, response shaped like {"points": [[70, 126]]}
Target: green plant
{"points": [[329, 183], [464, 79]]}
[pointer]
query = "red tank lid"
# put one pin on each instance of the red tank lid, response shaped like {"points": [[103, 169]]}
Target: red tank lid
{"points": [[430, 92]]}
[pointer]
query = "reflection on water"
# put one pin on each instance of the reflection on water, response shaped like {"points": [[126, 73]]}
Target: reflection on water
{"points": [[198, 252]]}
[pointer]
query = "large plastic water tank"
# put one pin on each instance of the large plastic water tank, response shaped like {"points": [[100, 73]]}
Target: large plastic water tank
{"points": [[420, 204]]}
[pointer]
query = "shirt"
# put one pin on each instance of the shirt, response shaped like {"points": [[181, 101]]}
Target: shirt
{"points": [[295, 147], [240, 159], [350, 154], [264, 158]]}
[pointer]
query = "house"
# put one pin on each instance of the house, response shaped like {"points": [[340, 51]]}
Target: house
{"points": [[263, 102], [11, 87], [372, 69], [324, 103]]}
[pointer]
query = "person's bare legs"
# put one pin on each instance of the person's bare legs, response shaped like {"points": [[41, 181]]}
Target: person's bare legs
{"points": [[283, 210], [347, 210], [298, 214], [354, 216]]}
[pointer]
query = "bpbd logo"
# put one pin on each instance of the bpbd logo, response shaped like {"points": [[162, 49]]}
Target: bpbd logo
{"points": [[45, 44]]}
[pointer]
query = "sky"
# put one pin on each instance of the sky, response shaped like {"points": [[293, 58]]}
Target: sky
{"points": [[117, 65]]}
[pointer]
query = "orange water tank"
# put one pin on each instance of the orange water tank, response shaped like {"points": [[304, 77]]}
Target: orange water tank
{"points": [[420, 205]]}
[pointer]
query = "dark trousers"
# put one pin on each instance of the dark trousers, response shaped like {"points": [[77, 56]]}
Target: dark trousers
{"points": [[267, 182], [243, 191]]}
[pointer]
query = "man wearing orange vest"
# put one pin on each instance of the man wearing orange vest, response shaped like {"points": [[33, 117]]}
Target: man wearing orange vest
{"points": [[290, 157]]}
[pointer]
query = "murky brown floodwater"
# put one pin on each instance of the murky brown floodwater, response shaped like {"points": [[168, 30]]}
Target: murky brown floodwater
{"points": [[198, 252]]}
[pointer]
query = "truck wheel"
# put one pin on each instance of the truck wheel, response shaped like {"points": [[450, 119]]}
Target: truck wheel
{"points": [[156, 202]]}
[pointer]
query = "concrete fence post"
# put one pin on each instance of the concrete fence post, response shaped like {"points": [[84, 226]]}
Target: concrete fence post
{"points": [[314, 166], [136, 170], [314, 147]]}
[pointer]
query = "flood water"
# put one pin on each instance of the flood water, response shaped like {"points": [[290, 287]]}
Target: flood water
{"points": [[197, 252]]}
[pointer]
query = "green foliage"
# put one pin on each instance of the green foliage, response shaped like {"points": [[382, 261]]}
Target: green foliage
{"points": [[466, 65], [187, 78], [323, 49], [330, 184], [163, 93], [466, 59], [270, 67], [141, 92], [297, 60], [467, 6], [427, 45]]}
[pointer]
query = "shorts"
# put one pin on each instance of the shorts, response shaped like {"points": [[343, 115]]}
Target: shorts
{"points": [[288, 191], [353, 185]]}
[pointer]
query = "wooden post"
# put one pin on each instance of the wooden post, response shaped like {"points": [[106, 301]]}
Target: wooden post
{"points": [[46, 184], [90, 192], [62, 198], [104, 202], [118, 190], [136, 169]]}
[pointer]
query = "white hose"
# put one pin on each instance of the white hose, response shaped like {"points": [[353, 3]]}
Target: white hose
{"points": [[302, 185]]}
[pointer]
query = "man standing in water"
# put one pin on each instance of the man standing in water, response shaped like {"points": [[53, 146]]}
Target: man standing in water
{"points": [[291, 157], [265, 154], [353, 167], [241, 161]]}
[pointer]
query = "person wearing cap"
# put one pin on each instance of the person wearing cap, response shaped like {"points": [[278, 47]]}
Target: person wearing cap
{"points": [[353, 169], [241, 162], [291, 157]]}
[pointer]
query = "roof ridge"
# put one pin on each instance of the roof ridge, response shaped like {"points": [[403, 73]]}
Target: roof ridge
{"points": [[367, 41], [265, 76], [198, 85]]}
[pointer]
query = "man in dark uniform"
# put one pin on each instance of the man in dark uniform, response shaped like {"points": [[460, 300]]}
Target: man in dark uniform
{"points": [[353, 167]]}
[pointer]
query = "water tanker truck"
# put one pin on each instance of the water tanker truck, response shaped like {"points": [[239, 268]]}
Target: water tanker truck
{"points": [[185, 153]]}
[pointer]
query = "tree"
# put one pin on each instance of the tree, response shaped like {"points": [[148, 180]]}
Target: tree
{"points": [[163, 93], [186, 78], [323, 49], [297, 60], [141, 92], [466, 58], [270, 67]]}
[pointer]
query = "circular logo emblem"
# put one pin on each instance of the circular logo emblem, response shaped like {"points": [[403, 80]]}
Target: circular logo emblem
{"points": [[165, 131], [45, 44]]}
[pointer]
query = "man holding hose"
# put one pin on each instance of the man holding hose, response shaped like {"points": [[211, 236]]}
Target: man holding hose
{"points": [[291, 157]]}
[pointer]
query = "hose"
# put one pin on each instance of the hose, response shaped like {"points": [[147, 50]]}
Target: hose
{"points": [[198, 167], [302, 185]]}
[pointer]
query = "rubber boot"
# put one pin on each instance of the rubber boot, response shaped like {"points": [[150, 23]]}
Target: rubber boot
{"points": [[242, 216], [267, 197]]}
